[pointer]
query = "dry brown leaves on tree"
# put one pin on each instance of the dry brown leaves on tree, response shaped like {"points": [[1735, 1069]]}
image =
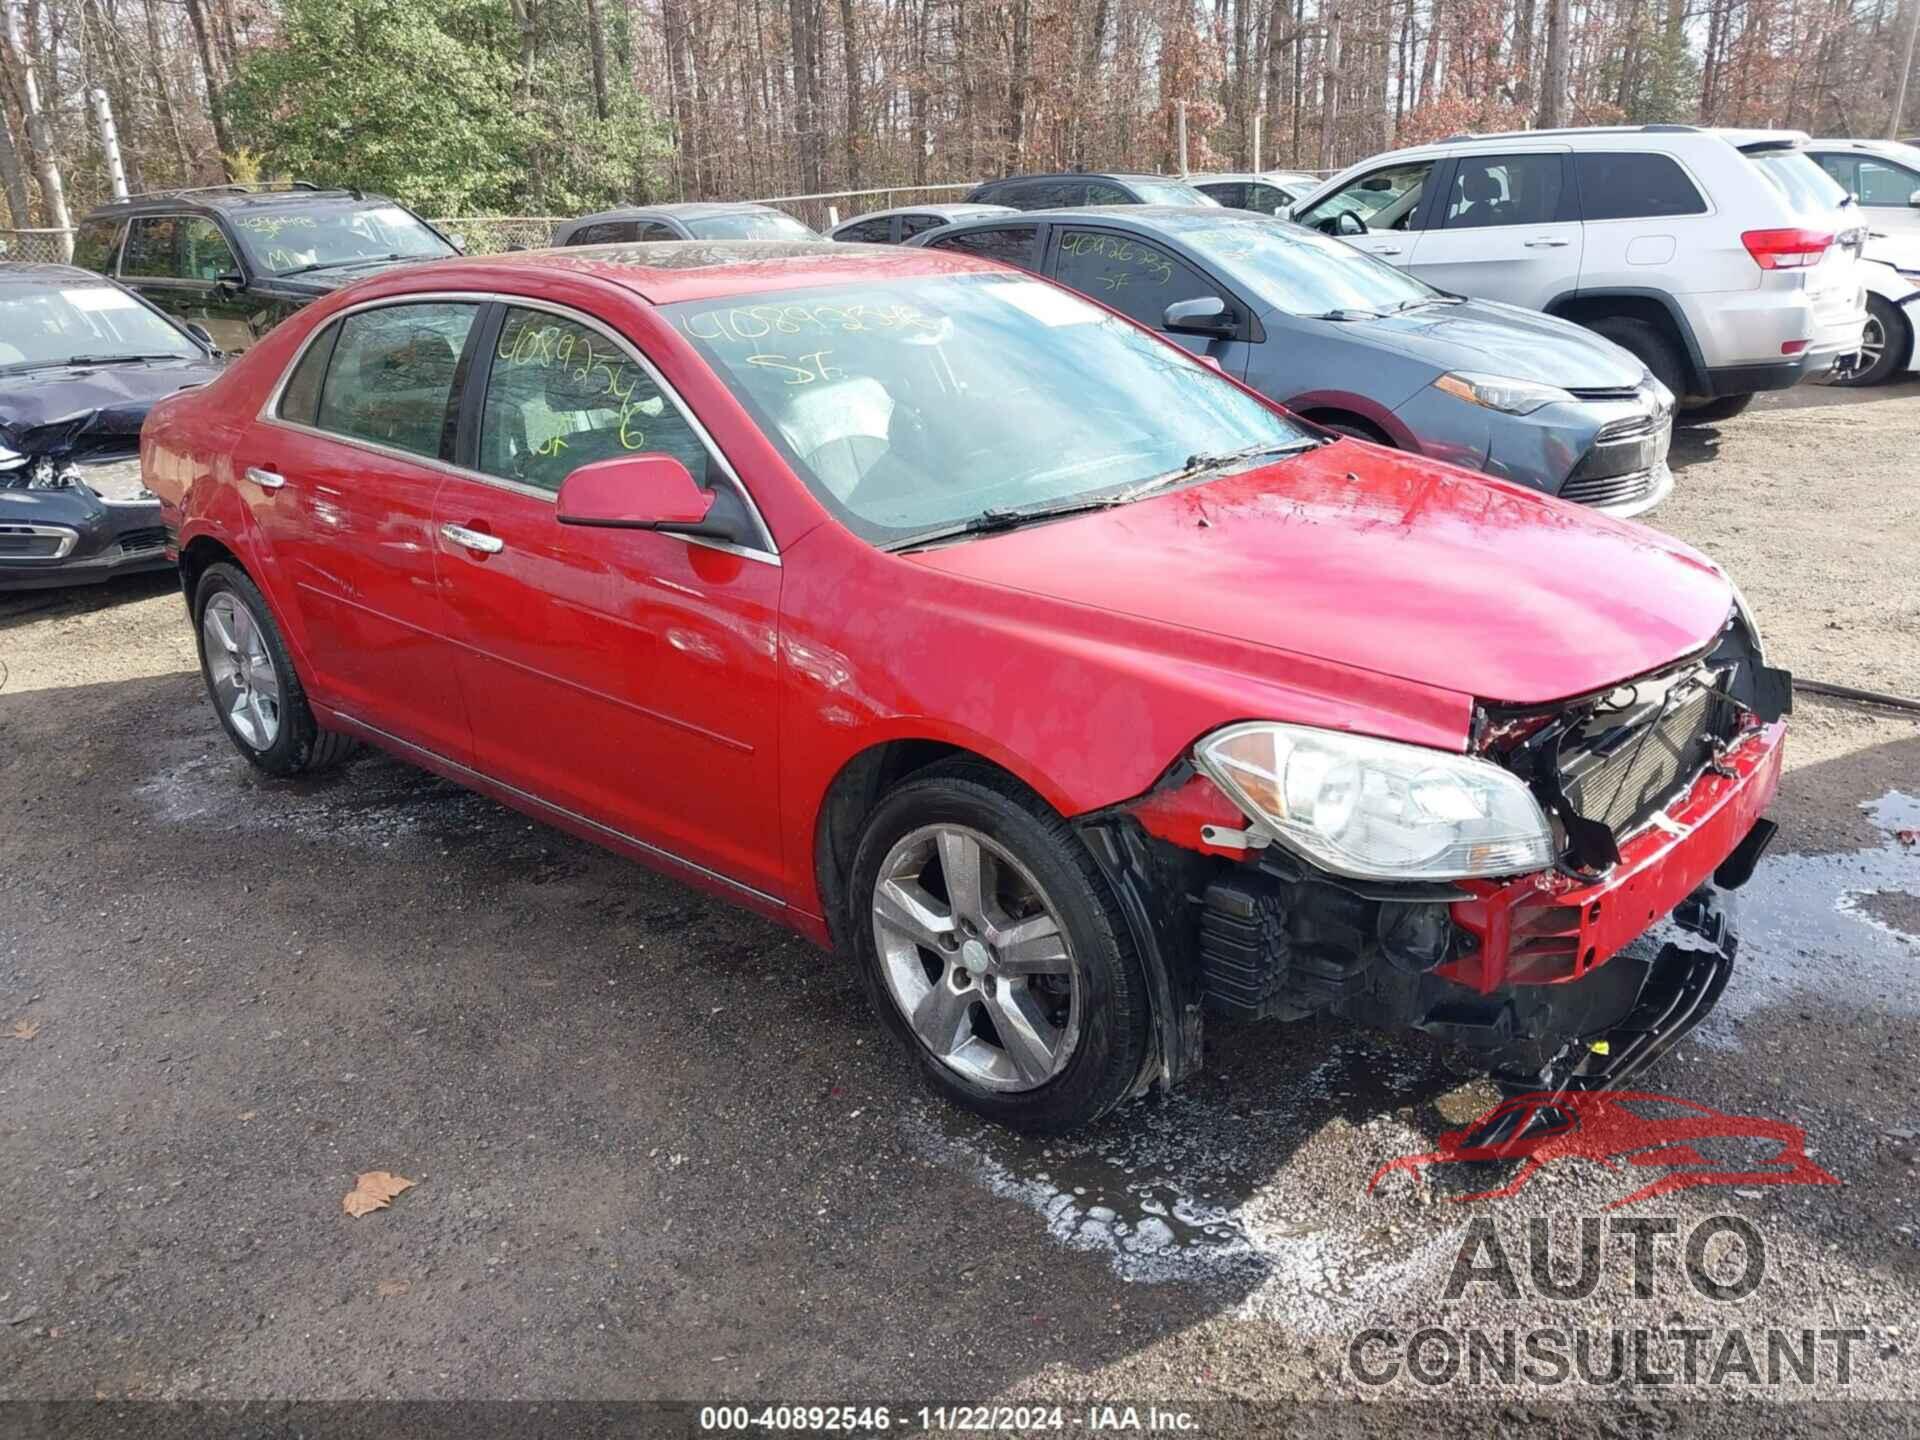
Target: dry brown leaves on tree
{"points": [[373, 1191]]}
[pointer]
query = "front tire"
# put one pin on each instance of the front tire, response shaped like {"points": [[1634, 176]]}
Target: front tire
{"points": [[251, 680], [1883, 346], [994, 950]]}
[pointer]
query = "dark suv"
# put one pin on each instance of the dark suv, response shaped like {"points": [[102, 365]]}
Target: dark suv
{"points": [[238, 259], [1054, 192]]}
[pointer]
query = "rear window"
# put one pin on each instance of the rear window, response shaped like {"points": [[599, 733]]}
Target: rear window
{"points": [[1800, 181], [1625, 186], [1013, 244]]}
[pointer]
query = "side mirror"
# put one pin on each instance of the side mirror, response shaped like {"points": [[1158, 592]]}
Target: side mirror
{"points": [[202, 334], [1205, 315], [634, 492], [232, 280]]}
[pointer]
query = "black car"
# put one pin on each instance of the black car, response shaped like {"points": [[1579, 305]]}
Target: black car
{"points": [[82, 360], [1055, 192], [691, 220], [239, 259]]}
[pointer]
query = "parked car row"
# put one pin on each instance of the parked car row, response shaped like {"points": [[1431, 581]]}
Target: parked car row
{"points": [[1077, 693]]}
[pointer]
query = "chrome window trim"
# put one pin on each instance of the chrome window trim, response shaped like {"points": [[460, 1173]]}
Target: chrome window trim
{"points": [[268, 413]]}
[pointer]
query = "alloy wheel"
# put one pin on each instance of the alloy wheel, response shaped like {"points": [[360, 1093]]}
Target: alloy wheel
{"points": [[975, 955], [1873, 343], [246, 687]]}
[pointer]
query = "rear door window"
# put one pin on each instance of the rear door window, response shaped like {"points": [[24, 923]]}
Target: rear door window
{"points": [[1266, 199], [1103, 192], [96, 244], [1231, 193], [1491, 190], [1135, 277], [1627, 186], [561, 395], [603, 232], [300, 399], [660, 230], [153, 248], [392, 376], [912, 225], [872, 232], [1012, 243]]}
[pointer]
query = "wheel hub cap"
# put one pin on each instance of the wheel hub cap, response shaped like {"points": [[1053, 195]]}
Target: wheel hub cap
{"points": [[975, 955]]}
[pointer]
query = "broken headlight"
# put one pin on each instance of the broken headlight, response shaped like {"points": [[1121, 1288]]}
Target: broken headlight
{"points": [[1377, 810]]}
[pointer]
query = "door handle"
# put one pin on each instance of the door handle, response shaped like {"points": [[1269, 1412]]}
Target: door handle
{"points": [[265, 479], [1548, 244], [475, 540], [1395, 250]]}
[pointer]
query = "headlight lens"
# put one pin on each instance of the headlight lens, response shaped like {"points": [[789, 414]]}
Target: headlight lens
{"points": [[1499, 392], [1377, 810]]}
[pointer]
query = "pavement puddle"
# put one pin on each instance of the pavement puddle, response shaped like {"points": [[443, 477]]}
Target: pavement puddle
{"points": [[1816, 925]]}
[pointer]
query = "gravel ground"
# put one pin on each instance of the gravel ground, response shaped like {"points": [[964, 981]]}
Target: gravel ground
{"points": [[661, 1149]]}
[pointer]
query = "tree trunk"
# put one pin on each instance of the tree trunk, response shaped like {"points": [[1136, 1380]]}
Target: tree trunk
{"points": [[597, 51], [46, 165], [850, 52], [216, 112], [1898, 110], [1330, 90], [686, 121], [1553, 85], [13, 176], [1020, 59]]}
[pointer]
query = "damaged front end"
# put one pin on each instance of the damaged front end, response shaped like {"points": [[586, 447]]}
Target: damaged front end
{"points": [[1653, 794], [63, 522]]}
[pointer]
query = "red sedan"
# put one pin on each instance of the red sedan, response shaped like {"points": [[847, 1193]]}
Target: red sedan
{"points": [[1070, 688]]}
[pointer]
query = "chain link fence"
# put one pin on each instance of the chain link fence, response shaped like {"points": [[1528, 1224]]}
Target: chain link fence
{"points": [[37, 246], [491, 234]]}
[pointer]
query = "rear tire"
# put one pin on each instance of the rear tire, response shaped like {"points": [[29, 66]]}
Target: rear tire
{"points": [[1649, 345], [251, 680], [1885, 346], [1708, 411], [1027, 937]]}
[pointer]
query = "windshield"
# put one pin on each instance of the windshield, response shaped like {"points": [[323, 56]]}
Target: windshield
{"points": [[100, 322], [749, 225], [283, 241], [1303, 272], [1795, 174], [1169, 192], [919, 404]]}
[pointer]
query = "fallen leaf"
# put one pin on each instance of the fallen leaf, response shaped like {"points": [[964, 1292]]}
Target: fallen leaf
{"points": [[24, 1030], [391, 1288], [248, 1114], [1907, 835], [373, 1191]]}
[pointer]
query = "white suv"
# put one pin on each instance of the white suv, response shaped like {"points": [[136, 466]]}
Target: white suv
{"points": [[1725, 259]]}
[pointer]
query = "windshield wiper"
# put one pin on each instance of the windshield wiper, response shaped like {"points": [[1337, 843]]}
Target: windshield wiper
{"points": [[1418, 301], [1198, 465], [988, 522], [1348, 314], [93, 360]]}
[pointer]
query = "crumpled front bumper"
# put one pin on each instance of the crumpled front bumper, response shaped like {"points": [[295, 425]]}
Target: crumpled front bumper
{"points": [[1550, 928], [79, 534]]}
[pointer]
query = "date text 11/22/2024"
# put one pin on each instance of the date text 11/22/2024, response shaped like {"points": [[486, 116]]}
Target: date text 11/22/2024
{"points": [[941, 1419]]}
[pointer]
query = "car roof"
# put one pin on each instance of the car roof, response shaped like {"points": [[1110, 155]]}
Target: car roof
{"points": [[681, 210], [1120, 175], [950, 208], [1215, 176], [1140, 217], [1573, 135], [39, 273], [226, 199], [665, 271]]}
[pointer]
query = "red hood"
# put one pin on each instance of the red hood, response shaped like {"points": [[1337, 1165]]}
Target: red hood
{"points": [[1418, 571]]}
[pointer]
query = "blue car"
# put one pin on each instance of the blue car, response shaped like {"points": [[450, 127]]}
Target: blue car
{"points": [[1360, 347]]}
